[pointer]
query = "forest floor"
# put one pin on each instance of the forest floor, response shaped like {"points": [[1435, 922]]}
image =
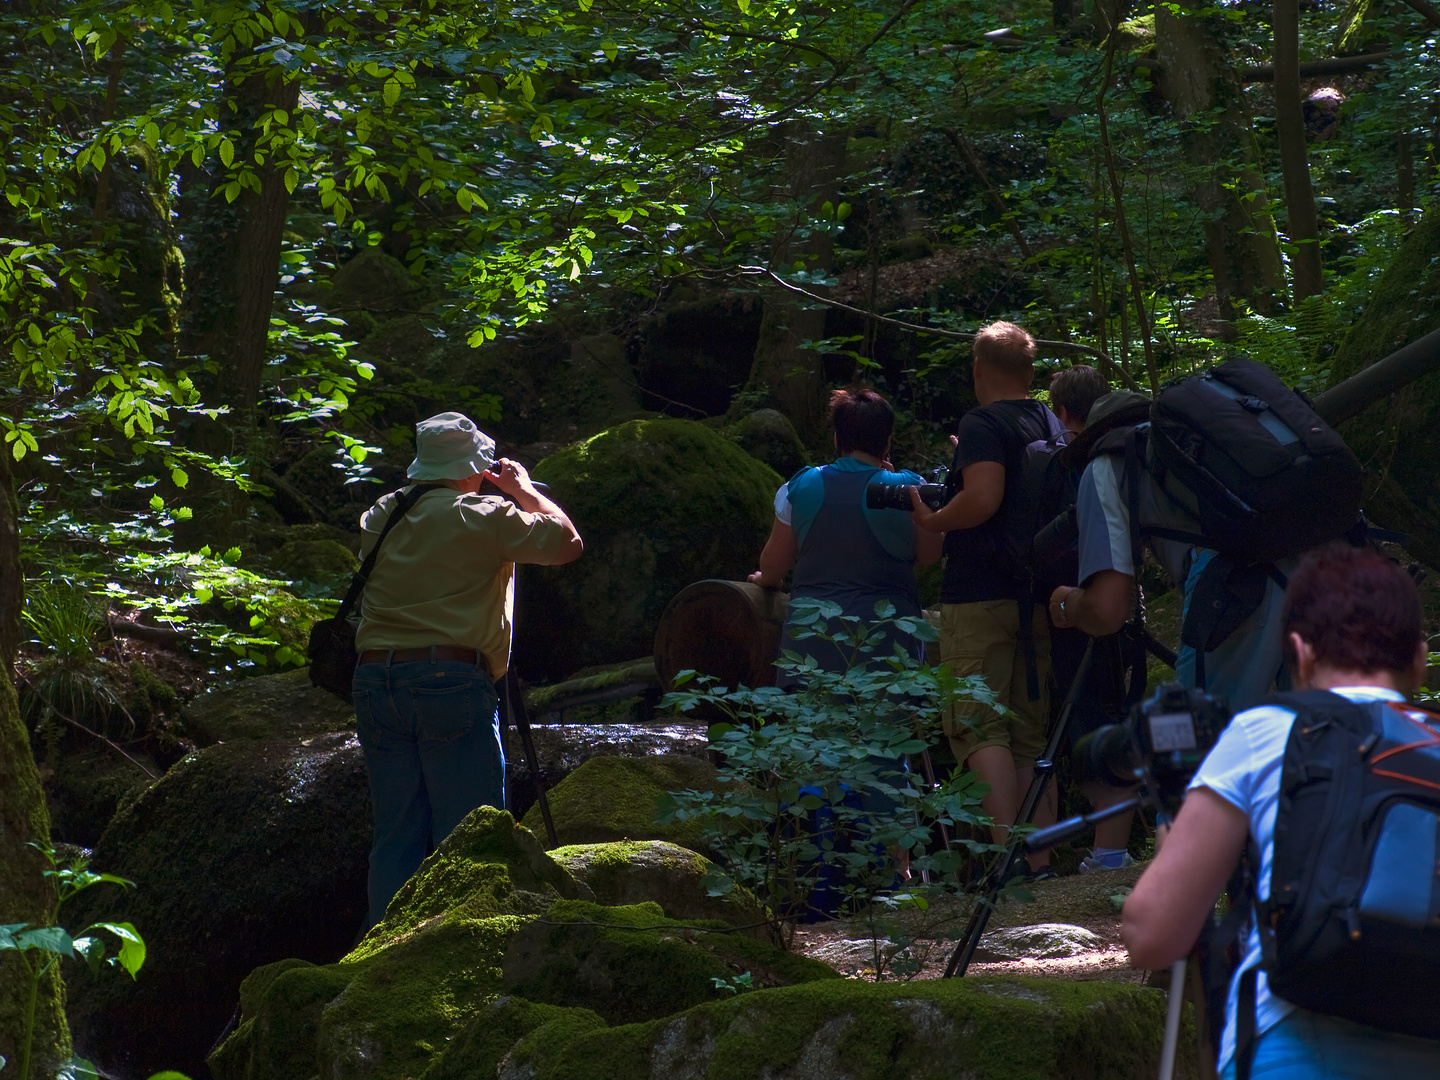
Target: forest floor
{"points": [[1086, 900]]}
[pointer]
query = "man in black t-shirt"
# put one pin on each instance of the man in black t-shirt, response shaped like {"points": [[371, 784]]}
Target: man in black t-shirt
{"points": [[981, 592]]}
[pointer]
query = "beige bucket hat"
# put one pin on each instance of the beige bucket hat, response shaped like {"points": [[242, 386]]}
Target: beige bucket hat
{"points": [[450, 447]]}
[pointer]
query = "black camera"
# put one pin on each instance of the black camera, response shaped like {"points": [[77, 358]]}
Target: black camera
{"points": [[897, 496], [1164, 741]]}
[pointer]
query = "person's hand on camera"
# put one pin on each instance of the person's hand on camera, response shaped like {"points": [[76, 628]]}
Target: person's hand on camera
{"points": [[510, 477], [920, 513]]}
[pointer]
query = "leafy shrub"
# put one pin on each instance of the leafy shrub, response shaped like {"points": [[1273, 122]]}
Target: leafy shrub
{"points": [[820, 799]]}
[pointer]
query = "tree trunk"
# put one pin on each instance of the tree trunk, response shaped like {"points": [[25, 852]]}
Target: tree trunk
{"points": [[1304, 228], [235, 265], [232, 271], [26, 896], [1203, 88], [791, 376]]}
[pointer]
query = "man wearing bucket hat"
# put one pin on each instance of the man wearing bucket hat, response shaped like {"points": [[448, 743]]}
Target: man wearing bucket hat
{"points": [[434, 640]]}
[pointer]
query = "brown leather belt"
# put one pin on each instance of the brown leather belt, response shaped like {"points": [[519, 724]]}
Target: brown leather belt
{"points": [[431, 653]]}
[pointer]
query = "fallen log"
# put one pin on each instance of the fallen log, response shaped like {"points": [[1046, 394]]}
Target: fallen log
{"points": [[1381, 379]]}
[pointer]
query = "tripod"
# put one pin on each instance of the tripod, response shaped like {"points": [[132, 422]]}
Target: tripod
{"points": [[514, 710], [1044, 769]]}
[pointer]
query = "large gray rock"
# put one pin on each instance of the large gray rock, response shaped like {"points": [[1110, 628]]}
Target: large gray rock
{"points": [[656, 871], [265, 707], [242, 854], [1043, 941]]}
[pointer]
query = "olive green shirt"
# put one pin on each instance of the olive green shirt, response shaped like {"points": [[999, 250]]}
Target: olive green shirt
{"points": [[446, 573]]}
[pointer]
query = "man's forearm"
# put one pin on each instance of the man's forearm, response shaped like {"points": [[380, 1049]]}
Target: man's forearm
{"points": [[965, 511], [533, 502]]}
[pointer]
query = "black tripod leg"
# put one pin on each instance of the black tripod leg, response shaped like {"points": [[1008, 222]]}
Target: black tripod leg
{"points": [[516, 715], [975, 929]]}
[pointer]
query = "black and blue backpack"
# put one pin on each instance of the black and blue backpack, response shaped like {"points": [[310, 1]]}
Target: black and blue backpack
{"points": [[1352, 924]]}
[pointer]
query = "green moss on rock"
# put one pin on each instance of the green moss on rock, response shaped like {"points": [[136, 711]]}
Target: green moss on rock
{"points": [[486, 866], [631, 963], [613, 798], [265, 707], [1398, 439], [1026, 1029], [243, 854], [394, 1004], [636, 871], [660, 504], [509, 1035]]}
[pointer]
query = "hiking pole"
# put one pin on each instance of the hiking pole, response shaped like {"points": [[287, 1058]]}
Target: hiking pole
{"points": [[1173, 1004], [1044, 769], [517, 716]]}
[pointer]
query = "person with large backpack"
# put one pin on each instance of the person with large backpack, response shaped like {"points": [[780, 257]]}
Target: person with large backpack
{"points": [[1334, 792], [990, 623], [1228, 477]]}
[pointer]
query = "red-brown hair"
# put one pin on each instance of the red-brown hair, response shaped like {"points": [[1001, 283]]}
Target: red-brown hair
{"points": [[1359, 610], [863, 420]]}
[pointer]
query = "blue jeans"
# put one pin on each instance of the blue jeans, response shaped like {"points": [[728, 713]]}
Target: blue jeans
{"points": [[1312, 1046], [431, 736]]}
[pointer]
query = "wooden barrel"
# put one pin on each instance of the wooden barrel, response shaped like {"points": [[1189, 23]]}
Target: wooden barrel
{"points": [[728, 629]]}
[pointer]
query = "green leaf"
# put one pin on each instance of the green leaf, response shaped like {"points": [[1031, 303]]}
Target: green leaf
{"points": [[132, 945], [151, 134], [179, 477], [292, 180], [169, 1074], [227, 152], [157, 503], [51, 939], [392, 92]]}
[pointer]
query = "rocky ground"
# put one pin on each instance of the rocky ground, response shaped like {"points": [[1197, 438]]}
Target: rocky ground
{"points": [[1070, 930]]}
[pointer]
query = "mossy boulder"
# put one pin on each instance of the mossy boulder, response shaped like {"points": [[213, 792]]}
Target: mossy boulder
{"points": [[846, 1029], [631, 963], [242, 854], [87, 787], [562, 748], [510, 1038], [660, 503], [655, 871], [389, 1007], [1398, 439], [768, 435], [613, 798], [265, 707]]}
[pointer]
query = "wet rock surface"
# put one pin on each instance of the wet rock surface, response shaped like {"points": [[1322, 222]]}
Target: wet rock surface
{"points": [[242, 854]]}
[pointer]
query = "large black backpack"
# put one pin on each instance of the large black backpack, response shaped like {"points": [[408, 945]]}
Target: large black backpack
{"points": [[1038, 488], [1352, 924], [1271, 478]]}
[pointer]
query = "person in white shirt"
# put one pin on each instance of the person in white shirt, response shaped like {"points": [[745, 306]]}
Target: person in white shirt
{"points": [[1352, 625]]}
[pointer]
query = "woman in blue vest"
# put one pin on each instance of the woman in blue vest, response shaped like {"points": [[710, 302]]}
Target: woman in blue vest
{"points": [[839, 549]]}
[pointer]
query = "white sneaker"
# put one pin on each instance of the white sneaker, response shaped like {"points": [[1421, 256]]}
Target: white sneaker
{"points": [[1091, 865]]}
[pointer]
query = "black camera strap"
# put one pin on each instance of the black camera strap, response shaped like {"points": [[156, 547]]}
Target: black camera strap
{"points": [[404, 502]]}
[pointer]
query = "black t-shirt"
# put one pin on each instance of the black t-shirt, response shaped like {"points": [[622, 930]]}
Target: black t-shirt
{"points": [[975, 563]]}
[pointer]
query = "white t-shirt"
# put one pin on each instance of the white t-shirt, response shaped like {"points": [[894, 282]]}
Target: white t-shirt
{"points": [[1243, 768]]}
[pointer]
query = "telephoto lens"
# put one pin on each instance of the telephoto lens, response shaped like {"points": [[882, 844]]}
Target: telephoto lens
{"points": [[1169, 734], [1105, 757], [897, 496]]}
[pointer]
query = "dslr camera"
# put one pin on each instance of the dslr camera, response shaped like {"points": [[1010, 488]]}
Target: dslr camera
{"points": [[897, 496], [1161, 744]]}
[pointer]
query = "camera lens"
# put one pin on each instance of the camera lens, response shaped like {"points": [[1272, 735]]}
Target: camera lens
{"points": [[1104, 756]]}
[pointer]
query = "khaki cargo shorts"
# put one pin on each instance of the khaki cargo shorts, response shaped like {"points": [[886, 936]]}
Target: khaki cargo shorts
{"points": [[983, 639]]}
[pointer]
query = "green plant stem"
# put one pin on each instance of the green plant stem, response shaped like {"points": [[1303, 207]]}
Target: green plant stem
{"points": [[35, 977]]}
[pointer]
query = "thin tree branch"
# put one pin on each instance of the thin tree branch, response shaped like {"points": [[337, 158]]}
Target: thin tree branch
{"points": [[1107, 363], [997, 201], [1426, 10], [113, 746], [1117, 193]]}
